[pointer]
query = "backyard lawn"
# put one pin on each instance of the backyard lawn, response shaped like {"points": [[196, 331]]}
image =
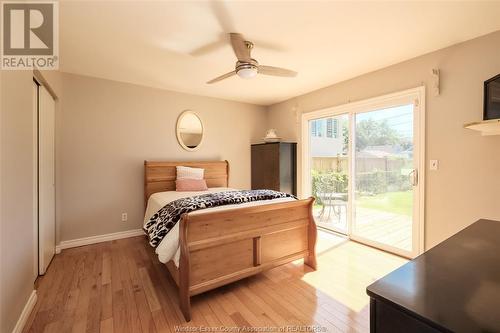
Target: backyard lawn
{"points": [[391, 202]]}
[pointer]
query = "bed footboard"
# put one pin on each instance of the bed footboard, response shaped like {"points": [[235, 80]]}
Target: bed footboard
{"points": [[220, 247]]}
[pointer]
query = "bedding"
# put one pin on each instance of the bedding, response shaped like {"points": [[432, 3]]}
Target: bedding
{"points": [[189, 173], [168, 248], [165, 219], [185, 185]]}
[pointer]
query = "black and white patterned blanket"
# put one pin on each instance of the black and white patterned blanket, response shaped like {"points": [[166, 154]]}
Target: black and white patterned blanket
{"points": [[166, 218]]}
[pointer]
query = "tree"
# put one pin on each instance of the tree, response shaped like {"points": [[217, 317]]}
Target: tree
{"points": [[370, 132]]}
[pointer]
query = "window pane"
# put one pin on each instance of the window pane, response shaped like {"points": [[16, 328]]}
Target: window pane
{"points": [[329, 171], [383, 205]]}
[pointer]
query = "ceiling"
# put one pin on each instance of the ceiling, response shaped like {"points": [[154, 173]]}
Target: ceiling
{"points": [[161, 43]]}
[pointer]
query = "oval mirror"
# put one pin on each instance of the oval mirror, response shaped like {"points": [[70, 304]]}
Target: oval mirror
{"points": [[189, 130]]}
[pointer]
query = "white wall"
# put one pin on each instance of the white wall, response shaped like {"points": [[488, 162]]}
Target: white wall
{"points": [[107, 129], [467, 185], [104, 132], [16, 195]]}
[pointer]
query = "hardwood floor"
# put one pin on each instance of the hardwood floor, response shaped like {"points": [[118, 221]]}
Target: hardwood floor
{"points": [[120, 286]]}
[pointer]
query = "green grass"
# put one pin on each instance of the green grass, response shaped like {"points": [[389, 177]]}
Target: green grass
{"points": [[391, 202]]}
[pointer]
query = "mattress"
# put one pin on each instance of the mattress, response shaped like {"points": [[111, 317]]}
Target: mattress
{"points": [[168, 249]]}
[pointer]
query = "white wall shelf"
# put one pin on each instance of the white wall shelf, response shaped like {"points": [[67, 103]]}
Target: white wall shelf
{"points": [[486, 127]]}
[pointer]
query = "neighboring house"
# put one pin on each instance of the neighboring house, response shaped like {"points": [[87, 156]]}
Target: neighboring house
{"points": [[326, 138], [385, 151], [384, 158]]}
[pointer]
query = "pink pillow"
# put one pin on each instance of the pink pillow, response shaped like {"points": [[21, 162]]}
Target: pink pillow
{"points": [[186, 185]]}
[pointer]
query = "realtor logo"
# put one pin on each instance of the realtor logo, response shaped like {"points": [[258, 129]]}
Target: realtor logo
{"points": [[29, 35]]}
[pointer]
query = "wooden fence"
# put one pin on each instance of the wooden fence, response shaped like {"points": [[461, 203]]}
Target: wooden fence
{"points": [[363, 164]]}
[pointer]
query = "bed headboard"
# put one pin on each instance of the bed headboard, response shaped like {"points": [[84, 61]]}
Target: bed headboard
{"points": [[160, 176]]}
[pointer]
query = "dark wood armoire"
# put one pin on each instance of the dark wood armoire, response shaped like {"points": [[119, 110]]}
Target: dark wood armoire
{"points": [[274, 166]]}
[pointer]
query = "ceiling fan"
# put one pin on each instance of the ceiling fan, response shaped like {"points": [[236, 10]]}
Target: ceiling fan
{"points": [[246, 67]]}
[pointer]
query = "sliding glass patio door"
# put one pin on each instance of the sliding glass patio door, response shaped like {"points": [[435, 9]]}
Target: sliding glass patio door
{"points": [[361, 162]]}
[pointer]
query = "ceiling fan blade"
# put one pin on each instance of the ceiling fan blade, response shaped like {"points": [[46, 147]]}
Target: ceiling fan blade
{"points": [[221, 13], [240, 47], [222, 77], [276, 71], [209, 48], [260, 44]]}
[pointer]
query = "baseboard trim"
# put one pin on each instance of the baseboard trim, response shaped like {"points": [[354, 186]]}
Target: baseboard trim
{"points": [[97, 239], [30, 304]]}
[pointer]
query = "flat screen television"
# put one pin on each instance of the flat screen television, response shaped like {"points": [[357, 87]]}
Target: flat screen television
{"points": [[492, 98]]}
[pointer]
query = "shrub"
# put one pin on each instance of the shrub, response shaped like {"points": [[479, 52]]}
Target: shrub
{"points": [[367, 183], [378, 181], [328, 182]]}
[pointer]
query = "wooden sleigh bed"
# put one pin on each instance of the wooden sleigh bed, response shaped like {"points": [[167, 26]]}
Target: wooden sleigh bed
{"points": [[221, 247]]}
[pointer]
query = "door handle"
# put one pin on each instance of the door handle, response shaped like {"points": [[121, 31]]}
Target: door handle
{"points": [[413, 177]]}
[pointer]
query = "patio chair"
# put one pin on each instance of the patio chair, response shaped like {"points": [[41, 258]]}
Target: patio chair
{"points": [[331, 201]]}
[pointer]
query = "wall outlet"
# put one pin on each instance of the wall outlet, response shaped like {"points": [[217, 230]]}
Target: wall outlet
{"points": [[433, 164], [124, 217]]}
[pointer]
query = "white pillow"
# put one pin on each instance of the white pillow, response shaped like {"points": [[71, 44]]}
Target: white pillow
{"points": [[189, 173]]}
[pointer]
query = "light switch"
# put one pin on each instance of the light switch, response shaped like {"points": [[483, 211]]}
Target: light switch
{"points": [[434, 165]]}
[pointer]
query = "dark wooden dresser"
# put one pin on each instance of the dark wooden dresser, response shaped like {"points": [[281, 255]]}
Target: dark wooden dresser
{"points": [[274, 166], [453, 287]]}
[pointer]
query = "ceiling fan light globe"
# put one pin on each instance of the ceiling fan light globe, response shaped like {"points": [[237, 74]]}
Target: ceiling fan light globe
{"points": [[247, 73]]}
